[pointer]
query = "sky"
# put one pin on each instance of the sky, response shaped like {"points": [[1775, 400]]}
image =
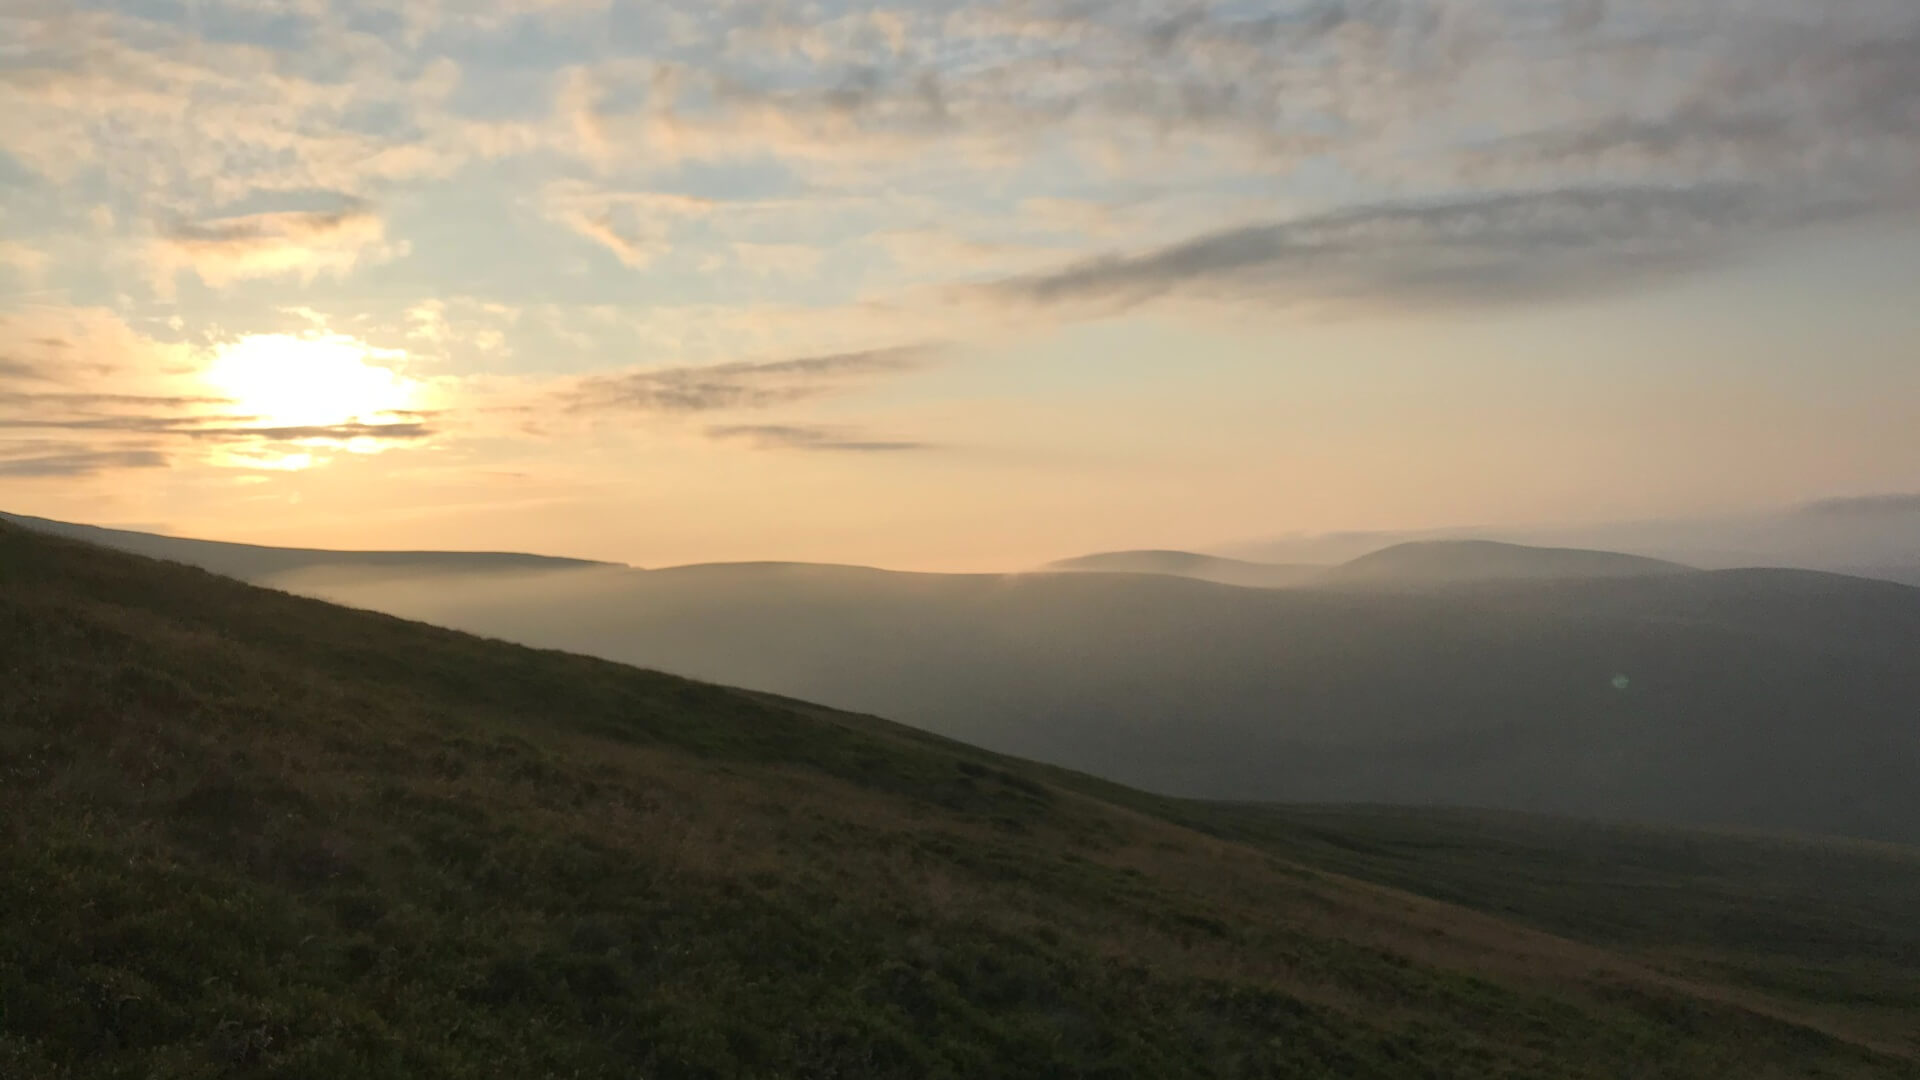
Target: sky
{"points": [[950, 285]]}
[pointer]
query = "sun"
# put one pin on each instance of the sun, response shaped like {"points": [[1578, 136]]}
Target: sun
{"points": [[318, 380]]}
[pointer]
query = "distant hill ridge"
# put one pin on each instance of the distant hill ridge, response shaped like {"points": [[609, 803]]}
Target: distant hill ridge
{"points": [[252, 561], [1189, 564], [1417, 563], [1443, 561]]}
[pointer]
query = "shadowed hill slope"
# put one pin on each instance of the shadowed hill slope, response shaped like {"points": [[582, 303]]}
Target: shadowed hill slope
{"points": [[243, 833]]}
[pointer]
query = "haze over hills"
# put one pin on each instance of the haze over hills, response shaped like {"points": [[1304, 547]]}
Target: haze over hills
{"points": [[1190, 564], [245, 833], [1440, 562], [1868, 536], [1417, 564], [1771, 699]]}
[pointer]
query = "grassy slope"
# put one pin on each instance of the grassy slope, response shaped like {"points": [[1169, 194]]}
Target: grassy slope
{"points": [[243, 833], [1822, 924]]}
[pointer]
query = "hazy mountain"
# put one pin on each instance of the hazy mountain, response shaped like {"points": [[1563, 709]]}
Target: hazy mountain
{"points": [[1905, 575], [1775, 699], [1778, 699], [1440, 562], [1871, 536], [248, 834], [1420, 563], [1190, 565]]}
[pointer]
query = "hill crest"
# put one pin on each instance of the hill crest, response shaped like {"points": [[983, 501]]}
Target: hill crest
{"points": [[1425, 562]]}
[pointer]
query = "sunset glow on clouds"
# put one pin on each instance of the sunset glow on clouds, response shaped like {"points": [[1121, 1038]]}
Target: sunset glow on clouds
{"points": [[948, 283]]}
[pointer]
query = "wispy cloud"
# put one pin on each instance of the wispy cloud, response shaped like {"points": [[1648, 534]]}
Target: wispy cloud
{"points": [[1497, 248], [83, 401], [77, 462], [636, 226], [225, 428], [809, 437], [772, 180], [1866, 506], [951, 107], [305, 243], [740, 385], [22, 257]]}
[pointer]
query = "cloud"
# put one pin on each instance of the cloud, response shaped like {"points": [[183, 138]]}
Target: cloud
{"points": [[1496, 248], [739, 385], [307, 243], [225, 428], [11, 368], [634, 225], [968, 138], [406, 431], [79, 462], [794, 261], [808, 437], [1833, 101], [15, 399], [1008, 134], [30, 260], [1865, 506], [167, 104]]}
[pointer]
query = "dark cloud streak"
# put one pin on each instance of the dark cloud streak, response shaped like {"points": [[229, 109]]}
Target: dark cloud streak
{"points": [[809, 437], [80, 463], [86, 401], [739, 385], [222, 428], [1866, 506], [1485, 249], [11, 368], [267, 229]]}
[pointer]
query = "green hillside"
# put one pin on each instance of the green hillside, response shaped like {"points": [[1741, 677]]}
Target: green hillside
{"points": [[248, 834]]}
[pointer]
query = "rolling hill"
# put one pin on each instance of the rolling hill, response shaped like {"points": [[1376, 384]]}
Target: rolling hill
{"points": [[249, 834], [1426, 563], [252, 561], [1758, 698]]}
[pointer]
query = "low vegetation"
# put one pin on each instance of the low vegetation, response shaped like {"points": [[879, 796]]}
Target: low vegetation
{"points": [[248, 834]]}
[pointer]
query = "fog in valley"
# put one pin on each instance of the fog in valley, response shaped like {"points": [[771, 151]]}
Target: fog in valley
{"points": [[1447, 672]]}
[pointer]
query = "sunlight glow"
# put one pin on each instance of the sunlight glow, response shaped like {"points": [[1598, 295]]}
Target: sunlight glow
{"points": [[267, 460], [282, 380], [316, 382]]}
